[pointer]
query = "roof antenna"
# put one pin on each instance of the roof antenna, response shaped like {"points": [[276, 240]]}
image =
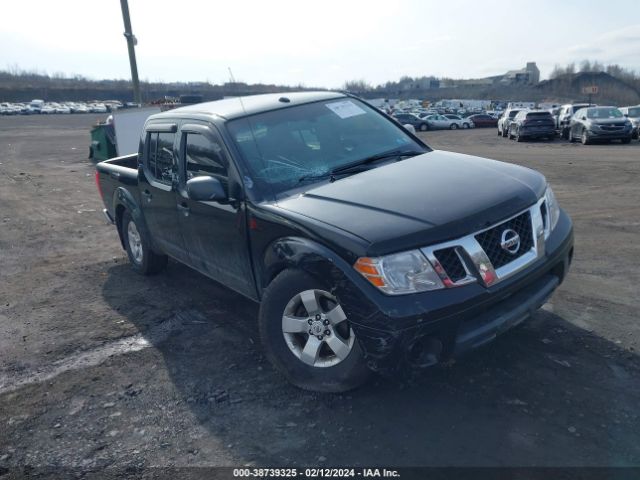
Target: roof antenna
{"points": [[233, 80], [247, 180]]}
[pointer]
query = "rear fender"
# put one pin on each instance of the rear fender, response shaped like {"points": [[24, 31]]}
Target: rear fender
{"points": [[124, 200]]}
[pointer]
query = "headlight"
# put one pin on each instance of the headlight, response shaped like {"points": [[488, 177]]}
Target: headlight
{"points": [[400, 273], [553, 209]]}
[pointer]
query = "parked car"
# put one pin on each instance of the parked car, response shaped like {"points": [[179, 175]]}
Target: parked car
{"points": [[483, 120], [47, 109], [62, 109], [80, 108], [564, 117], [460, 122], [97, 108], [600, 123], [440, 122], [530, 124], [633, 114], [413, 120], [505, 119], [350, 232], [8, 109]]}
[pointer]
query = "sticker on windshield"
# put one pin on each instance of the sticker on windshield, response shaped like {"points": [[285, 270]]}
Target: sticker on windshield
{"points": [[345, 109]]}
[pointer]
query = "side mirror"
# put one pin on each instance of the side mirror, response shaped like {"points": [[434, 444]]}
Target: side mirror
{"points": [[410, 127], [626, 115], [205, 189], [584, 118]]}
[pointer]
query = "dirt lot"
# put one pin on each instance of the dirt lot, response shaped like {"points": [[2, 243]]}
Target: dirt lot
{"points": [[100, 367]]}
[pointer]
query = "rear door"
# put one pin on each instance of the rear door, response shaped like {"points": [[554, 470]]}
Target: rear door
{"points": [[215, 232], [158, 182]]}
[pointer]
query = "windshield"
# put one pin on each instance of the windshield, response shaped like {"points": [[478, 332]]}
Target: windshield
{"points": [[513, 113], [281, 146], [604, 113], [634, 112]]}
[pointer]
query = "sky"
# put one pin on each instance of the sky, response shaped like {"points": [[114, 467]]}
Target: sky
{"points": [[316, 44]]}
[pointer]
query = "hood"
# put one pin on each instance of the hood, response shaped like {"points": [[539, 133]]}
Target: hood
{"points": [[430, 198]]}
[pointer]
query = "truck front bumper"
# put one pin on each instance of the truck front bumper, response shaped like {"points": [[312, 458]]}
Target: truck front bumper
{"points": [[423, 329]]}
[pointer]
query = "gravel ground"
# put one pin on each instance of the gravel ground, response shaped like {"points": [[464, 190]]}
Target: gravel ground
{"points": [[100, 367]]}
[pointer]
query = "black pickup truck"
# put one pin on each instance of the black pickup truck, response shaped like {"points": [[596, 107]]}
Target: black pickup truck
{"points": [[366, 249]]}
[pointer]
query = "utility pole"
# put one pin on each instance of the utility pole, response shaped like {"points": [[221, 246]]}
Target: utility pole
{"points": [[131, 43]]}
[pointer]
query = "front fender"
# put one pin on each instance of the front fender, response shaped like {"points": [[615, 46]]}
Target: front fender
{"points": [[322, 263], [123, 199]]}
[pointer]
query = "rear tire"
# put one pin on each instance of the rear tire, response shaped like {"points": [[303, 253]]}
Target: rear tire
{"points": [[143, 260], [626, 140], [285, 346], [519, 138], [423, 127], [453, 126]]}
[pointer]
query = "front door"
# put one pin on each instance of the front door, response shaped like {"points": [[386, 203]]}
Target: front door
{"points": [[215, 232]]}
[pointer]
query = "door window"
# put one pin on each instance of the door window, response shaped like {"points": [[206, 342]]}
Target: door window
{"points": [[161, 163], [205, 157]]}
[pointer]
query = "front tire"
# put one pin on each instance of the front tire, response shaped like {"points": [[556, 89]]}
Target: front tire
{"points": [[307, 337], [453, 126], [143, 260], [585, 138], [423, 127]]}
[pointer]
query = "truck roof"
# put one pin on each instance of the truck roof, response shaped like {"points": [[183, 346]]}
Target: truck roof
{"points": [[230, 108]]}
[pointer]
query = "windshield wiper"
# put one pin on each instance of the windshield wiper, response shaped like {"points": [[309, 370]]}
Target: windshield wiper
{"points": [[318, 176], [345, 169], [375, 158]]}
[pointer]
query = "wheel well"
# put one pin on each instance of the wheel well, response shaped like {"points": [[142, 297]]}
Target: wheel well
{"points": [[120, 209], [308, 269], [273, 274]]}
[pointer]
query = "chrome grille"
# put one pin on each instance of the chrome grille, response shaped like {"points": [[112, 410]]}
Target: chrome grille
{"points": [[480, 257], [451, 263], [490, 240]]}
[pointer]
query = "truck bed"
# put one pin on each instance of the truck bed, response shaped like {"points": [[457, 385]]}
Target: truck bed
{"points": [[114, 173]]}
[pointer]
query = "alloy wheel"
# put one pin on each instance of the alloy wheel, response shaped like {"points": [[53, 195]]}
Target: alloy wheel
{"points": [[316, 330], [135, 242]]}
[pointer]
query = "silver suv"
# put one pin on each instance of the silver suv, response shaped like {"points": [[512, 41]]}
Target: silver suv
{"points": [[564, 117], [505, 120]]}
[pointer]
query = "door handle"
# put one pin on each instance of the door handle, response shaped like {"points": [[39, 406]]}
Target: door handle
{"points": [[147, 194], [184, 208]]}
